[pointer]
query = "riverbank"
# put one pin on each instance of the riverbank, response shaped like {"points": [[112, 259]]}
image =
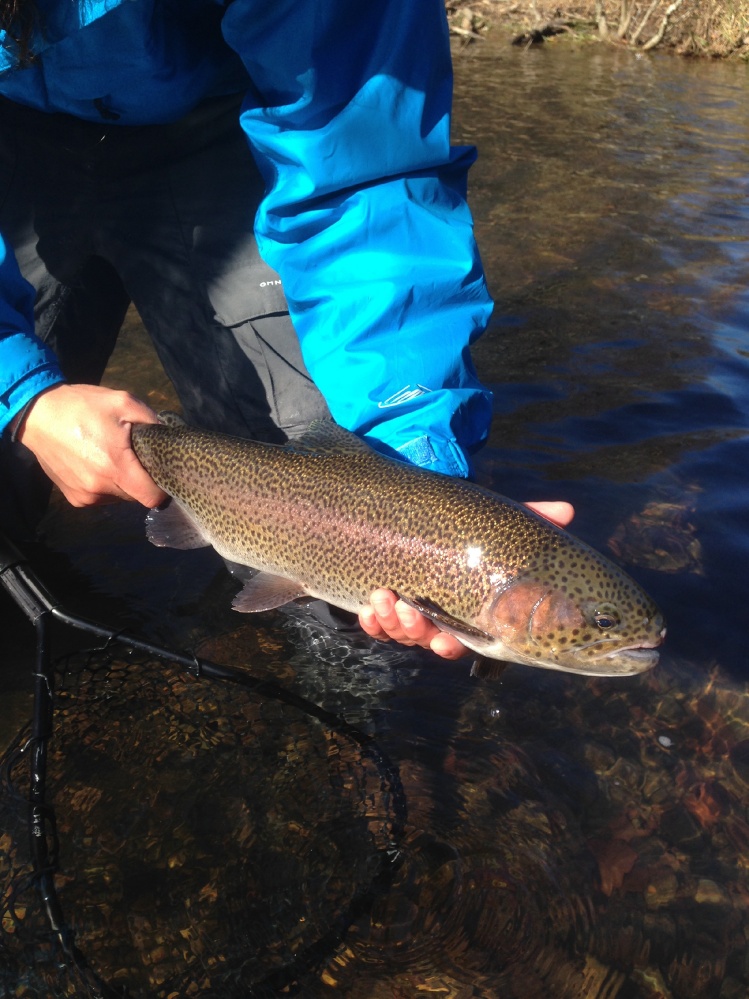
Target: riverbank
{"points": [[709, 28]]}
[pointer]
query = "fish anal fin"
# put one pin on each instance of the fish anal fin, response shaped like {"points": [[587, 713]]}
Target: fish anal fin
{"points": [[168, 526], [264, 591], [446, 622]]}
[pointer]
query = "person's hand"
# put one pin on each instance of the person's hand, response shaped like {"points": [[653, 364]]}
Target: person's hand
{"points": [[389, 618], [81, 436]]}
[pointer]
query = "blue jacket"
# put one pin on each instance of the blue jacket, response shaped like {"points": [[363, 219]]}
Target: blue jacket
{"points": [[347, 112]]}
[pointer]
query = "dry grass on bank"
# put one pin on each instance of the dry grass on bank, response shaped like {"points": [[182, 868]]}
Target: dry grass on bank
{"points": [[715, 28]]}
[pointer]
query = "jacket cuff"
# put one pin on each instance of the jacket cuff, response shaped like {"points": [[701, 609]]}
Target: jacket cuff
{"points": [[15, 401], [436, 454]]}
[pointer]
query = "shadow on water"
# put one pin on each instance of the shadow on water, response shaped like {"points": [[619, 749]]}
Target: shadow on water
{"points": [[566, 836]]}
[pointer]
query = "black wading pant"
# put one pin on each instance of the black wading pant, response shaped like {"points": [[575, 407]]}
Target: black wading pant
{"points": [[162, 216]]}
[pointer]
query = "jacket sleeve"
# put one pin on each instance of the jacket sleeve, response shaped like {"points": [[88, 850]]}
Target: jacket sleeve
{"points": [[27, 367], [365, 217]]}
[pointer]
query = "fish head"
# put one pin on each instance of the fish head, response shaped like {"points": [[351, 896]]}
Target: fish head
{"points": [[576, 611]]}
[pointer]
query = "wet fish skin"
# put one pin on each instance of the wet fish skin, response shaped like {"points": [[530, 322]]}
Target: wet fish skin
{"points": [[326, 516]]}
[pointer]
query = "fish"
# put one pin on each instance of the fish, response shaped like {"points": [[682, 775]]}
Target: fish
{"points": [[326, 516]]}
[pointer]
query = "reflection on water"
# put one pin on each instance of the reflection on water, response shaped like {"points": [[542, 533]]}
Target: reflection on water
{"points": [[565, 836], [610, 198]]}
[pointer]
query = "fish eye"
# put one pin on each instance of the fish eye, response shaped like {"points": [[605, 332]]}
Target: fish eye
{"points": [[606, 617]]}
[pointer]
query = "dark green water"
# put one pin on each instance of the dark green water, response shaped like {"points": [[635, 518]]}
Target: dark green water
{"points": [[565, 836]]}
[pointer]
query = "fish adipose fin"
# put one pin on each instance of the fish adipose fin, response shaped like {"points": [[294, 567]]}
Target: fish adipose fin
{"points": [[264, 591], [446, 622], [168, 526], [324, 436]]}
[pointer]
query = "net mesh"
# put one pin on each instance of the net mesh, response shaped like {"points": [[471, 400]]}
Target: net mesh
{"points": [[205, 838]]}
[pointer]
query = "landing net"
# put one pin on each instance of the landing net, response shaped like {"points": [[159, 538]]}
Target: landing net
{"points": [[168, 831]]}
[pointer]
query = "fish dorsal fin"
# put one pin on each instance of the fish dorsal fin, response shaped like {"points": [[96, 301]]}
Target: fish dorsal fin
{"points": [[170, 419], [447, 622], [326, 437], [169, 526], [264, 591]]}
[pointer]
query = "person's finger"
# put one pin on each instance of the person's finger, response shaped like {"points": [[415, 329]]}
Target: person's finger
{"points": [[135, 481], [384, 604], [388, 618], [371, 625], [81, 436], [557, 511], [448, 646]]}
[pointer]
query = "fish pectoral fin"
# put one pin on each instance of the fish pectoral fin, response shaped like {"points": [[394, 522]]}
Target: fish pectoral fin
{"points": [[446, 622], [243, 572], [168, 526], [488, 669], [264, 591]]}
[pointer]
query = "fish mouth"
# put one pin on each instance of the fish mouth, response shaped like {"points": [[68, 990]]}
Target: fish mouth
{"points": [[643, 653], [625, 661], [615, 662], [632, 659], [642, 657]]}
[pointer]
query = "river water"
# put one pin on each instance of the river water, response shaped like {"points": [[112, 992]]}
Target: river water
{"points": [[556, 835]]}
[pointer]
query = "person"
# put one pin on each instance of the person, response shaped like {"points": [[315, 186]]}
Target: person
{"points": [[274, 188]]}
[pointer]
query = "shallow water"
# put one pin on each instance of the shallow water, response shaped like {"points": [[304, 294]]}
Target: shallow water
{"points": [[564, 836]]}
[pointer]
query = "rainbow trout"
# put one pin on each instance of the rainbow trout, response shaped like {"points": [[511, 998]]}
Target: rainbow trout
{"points": [[326, 516]]}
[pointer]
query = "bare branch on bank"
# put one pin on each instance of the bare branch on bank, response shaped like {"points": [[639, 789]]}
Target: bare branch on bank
{"points": [[658, 36]]}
